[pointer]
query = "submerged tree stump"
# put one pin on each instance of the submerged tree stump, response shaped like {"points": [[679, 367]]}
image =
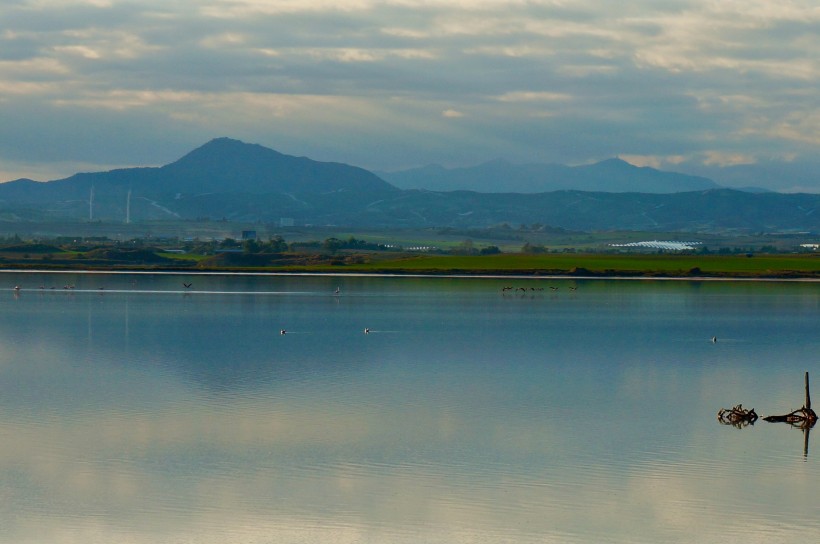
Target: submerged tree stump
{"points": [[803, 417], [737, 416]]}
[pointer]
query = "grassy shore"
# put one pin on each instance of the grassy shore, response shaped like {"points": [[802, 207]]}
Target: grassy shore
{"points": [[731, 266], [805, 265]]}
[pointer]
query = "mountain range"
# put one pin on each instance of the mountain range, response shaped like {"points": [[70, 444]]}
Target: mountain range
{"points": [[233, 180], [498, 176]]}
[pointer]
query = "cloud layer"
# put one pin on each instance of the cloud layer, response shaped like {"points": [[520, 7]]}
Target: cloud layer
{"points": [[397, 83]]}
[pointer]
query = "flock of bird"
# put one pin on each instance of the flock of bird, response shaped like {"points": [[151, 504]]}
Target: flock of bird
{"points": [[524, 289], [42, 287]]}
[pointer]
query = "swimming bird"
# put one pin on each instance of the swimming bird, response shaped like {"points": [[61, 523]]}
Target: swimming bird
{"points": [[337, 291], [366, 330], [553, 288], [282, 331], [714, 339], [573, 288]]}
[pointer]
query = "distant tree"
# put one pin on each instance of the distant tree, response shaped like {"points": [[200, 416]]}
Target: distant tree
{"points": [[332, 245], [250, 246], [277, 244], [533, 249], [490, 250]]}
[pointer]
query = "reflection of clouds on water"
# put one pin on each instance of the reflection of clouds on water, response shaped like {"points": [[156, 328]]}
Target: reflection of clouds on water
{"points": [[165, 419], [158, 477]]}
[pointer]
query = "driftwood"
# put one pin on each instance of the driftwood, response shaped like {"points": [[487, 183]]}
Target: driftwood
{"points": [[737, 416], [803, 417]]}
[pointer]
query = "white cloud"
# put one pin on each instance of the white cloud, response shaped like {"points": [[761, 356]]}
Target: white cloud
{"points": [[654, 161], [246, 8], [725, 158], [664, 79], [533, 96]]}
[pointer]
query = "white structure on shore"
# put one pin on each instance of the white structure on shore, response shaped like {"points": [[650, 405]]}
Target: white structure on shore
{"points": [[657, 244]]}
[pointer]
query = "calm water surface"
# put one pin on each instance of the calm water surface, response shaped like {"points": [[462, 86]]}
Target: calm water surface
{"points": [[147, 412]]}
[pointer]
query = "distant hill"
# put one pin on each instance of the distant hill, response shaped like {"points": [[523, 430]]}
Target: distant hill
{"points": [[222, 166], [230, 165], [612, 176], [229, 179], [792, 177]]}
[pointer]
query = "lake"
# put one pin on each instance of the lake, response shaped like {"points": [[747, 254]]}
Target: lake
{"points": [[134, 409]]}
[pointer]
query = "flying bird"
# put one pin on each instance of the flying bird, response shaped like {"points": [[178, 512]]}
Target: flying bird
{"points": [[187, 285]]}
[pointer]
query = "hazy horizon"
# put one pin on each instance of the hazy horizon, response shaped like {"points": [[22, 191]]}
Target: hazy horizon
{"points": [[688, 86]]}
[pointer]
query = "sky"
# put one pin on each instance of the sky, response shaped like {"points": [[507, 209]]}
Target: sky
{"points": [[711, 87]]}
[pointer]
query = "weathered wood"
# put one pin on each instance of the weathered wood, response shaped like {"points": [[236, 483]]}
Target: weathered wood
{"points": [[737, 416], [798, 416], [807, 404], [803, 417]]}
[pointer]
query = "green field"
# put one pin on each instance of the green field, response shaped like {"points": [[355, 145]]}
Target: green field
{"points": [[448, 253], [806, 265]]}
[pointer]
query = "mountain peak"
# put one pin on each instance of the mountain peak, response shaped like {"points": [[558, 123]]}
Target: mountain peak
{"points": [[614, 162], [225, 164], [218, 150]]}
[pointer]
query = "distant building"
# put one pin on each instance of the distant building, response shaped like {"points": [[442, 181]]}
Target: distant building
{"points": [[658, 244], [249, 235]]}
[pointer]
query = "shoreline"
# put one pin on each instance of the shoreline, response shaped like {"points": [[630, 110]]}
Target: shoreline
{"points": [[416, 275]]}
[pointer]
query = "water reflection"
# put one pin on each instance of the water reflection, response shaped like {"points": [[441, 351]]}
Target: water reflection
{"points": [[465, 416]]}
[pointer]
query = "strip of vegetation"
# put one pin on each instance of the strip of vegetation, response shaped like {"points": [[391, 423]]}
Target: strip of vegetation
{"points": [[358, 256], [604, 265]]}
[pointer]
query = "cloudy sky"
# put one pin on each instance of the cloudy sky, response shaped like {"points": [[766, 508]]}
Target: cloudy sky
{"points": [[687, 85]]}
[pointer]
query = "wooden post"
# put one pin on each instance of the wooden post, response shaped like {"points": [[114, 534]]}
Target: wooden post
{"points": [[804, 416], [807, 405]]}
